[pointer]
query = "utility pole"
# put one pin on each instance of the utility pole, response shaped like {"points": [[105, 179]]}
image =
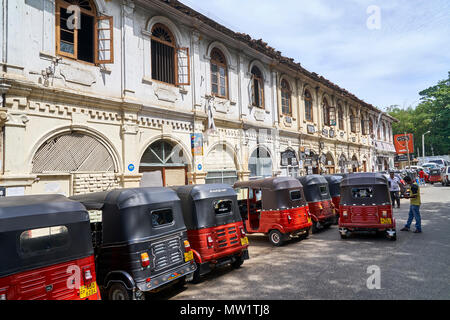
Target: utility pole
{"points": [[423, 145]]}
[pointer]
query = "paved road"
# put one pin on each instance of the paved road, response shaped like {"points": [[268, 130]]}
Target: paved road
{"points": [[416, 266]]}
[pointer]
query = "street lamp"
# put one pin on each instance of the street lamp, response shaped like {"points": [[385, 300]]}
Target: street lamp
{"points": [[423, 144]]}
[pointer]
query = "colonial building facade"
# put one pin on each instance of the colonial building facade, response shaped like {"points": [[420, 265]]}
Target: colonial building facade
{"points": [[99, 94]]}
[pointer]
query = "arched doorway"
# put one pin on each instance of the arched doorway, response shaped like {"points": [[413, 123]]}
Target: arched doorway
{"points": [[289, 163], [343, 165], [166, 162], [74, 163], [260, 164], [311, 162], [220, 165], [355, 164], [329, 163]]}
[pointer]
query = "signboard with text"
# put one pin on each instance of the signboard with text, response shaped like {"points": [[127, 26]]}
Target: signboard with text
{"points": [[404, 143]]}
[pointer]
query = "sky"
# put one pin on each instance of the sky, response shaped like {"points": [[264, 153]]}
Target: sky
{"points": [[384, 52]]}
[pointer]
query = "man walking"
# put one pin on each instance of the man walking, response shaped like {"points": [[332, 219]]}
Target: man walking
{"points": [[414, 208], [394, 188]]}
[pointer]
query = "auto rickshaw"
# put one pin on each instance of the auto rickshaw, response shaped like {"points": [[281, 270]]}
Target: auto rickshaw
{"points": [[46, 249], [215, 229], [366, 205], [141, 243], [435, 175], [323, 212], [274, 206], [334, 182]]}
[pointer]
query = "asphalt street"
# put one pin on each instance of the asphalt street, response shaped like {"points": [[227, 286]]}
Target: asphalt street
{"points": [[416, 266]]}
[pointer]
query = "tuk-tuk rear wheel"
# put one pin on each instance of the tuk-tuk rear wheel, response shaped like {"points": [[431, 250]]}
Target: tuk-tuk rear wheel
{"points": [[276, 238], [237, 263], [117, 291]]}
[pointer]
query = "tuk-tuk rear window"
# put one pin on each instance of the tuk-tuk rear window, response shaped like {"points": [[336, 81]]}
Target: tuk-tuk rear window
{"points": [[296, 195], [223, 206], [323, 190], [161, 217], [366, 192], [41, 240]]}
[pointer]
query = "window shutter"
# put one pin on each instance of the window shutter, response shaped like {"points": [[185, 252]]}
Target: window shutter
{"points": [[104, 45], [332, 116], [182, 67], [261, 95], [252, 91]]}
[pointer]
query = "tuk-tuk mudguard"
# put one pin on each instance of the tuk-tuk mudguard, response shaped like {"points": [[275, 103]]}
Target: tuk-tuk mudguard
{"points": [[119, 276], [197, 256]]}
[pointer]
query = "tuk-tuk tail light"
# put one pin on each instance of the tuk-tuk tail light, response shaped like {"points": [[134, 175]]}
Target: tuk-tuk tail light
{"points": [[210, 242], [187, 246], [242, 232], [384, 213], [145, 260], [3, 296], [344, 213], [87, 275]]}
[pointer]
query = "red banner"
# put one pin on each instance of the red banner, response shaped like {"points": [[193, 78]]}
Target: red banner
{"points": [[404, 143]]}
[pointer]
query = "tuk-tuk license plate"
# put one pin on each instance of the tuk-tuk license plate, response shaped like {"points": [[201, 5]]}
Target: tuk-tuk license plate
{"points": [[86, 291], [244, 241], [386, 221], [188, 256]]}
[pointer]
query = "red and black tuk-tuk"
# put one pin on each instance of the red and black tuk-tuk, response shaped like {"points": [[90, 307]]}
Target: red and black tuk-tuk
{"points": [[274, 206], [215, 229], [435, 175], [323, 213], [334, 182], [46, 249], [141, 243], [366, 205]]}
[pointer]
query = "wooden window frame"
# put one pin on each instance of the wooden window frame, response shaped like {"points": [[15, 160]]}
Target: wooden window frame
{"points": [[260, 81], [61, 4], [225, 67], [176, 50], [309, 100], [97, 40], [288, 92]]}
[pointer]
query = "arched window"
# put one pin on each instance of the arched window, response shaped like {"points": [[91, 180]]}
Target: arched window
{"points": [[286, 93], [353, 122], [89, 38], [308, 106], [257, 83], [219, 74], [384, 132], [329, 114], [363, 125], [340, 117], [163, 54]]}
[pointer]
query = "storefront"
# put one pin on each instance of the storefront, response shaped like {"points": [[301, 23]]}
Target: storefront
{"points": [[289, 164]]}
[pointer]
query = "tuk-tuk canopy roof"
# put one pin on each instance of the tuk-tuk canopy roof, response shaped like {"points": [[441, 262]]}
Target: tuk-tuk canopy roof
{"points": [[205, 191], [19, 215], [199, 201], [312, 179], [364, 178], [127, 213], [272, 184], [24, 212], [125, 198], [334, 182]]}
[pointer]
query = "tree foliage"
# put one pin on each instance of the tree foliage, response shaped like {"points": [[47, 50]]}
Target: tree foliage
{"points": [[432, 114]]}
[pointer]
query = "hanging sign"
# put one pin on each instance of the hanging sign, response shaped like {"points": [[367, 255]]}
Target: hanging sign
{"points": [[197, 144]]}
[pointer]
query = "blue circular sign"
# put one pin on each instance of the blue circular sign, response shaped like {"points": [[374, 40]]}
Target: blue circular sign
{"points": [[200, 167], [131, 167]]}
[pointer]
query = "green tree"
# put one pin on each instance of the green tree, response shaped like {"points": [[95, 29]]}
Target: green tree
{"points": [[432, 114]]}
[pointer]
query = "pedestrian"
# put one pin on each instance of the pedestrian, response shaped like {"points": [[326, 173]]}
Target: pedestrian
{"points": [[394, 189], [422, 177], [414, 208]]}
